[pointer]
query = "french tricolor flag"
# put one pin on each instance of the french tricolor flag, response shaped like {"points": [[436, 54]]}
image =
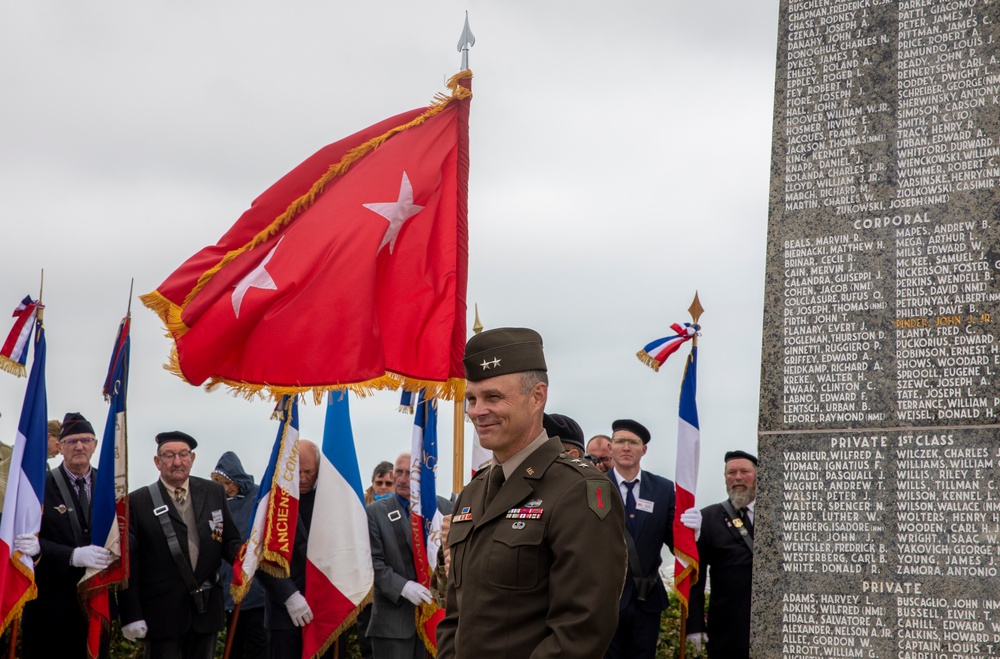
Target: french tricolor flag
{"points": [[22, 507], [686, 480], [14, 353], [339, 572]]}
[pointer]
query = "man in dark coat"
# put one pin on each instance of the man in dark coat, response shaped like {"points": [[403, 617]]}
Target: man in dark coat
{"points": [[287, 609], [649, 521], [250, 635], [529, 533], [65, 550], [174, 596], [725, 550]]}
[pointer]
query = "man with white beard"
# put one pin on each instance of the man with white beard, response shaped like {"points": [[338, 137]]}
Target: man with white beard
{"points": [[726, 547]]}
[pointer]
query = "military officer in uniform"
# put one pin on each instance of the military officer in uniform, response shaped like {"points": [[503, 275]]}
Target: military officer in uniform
{"points": [[529, 532]]}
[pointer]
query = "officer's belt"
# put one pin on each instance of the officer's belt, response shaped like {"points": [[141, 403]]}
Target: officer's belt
{"points": [[70, 503]]}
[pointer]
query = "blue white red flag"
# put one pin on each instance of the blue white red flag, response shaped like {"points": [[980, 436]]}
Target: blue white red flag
{"points": [[688, 455], [656, 352], [110, 498], [22, 507], [425, 518], [339, 572], [276, 511], [14, 353]]}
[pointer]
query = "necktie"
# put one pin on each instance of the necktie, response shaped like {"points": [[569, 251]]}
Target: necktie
{"points": [[745, 514], [179, 494], [81, 485], [496, 482], [630, 506]]}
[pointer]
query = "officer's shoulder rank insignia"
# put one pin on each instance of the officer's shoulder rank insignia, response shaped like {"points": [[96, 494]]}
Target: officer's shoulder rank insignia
{"points": [[597, 497]]}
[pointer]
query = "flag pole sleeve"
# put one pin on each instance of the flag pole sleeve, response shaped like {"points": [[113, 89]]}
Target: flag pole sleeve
{"points": [[458, 445]]}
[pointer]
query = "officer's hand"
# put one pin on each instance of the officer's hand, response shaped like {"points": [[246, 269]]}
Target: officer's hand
{"points": [[298, 609], [699, 641], [135, 631], [691, 518], [94, 557], [27, 544], [416, 593]]}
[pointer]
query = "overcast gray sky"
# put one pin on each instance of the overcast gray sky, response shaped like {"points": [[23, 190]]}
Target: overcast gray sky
{"points": [[619, 161]]}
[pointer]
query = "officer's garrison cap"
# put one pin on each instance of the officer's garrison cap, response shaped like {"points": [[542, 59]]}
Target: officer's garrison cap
{"points": [[502, 351]]}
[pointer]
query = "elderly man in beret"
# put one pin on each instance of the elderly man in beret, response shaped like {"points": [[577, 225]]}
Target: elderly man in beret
{"points": [[649, 526], [180, 529], [64, 549], [725, 549], [528, 532]]}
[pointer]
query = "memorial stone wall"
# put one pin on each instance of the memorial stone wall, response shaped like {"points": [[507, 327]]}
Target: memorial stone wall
{"points": [[878, 515]]}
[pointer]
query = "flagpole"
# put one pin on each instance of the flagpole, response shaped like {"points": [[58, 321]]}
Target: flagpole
{"points": [[231, 633], [695, 310], [41, 287]]}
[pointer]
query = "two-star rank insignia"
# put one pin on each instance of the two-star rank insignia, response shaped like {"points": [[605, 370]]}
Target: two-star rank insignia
{"points": [[488, 364]]}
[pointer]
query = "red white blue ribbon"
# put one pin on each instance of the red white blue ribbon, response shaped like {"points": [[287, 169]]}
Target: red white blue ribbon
{"points": [[14, 353], [656, 352]]}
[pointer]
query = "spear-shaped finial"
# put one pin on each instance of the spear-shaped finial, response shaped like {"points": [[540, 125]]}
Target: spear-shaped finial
{"points": [[477, 326], [465, 42], [695, 310]]}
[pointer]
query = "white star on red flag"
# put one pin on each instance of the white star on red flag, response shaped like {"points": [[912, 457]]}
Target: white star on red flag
{"points": [[259, 277], [396, 212]]}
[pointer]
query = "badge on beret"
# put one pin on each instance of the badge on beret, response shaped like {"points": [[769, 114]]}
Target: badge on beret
{"points": [[597, 497]]}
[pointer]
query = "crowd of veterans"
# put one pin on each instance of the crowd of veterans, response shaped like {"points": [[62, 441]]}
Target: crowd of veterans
{"points": [[554, 549]]}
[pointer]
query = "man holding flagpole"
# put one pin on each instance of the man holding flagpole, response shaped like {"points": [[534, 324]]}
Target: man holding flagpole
{"points": [[528, 534], [726, 548], [64, 549], [287, 610]]}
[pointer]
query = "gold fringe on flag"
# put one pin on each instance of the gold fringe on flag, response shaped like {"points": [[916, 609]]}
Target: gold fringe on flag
{"points": [[692, 571], [342, 627], [28, 595], [647, 360], [12, 367]]}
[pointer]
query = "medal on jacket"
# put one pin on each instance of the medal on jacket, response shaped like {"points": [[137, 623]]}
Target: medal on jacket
{"points": [[738, 523]]}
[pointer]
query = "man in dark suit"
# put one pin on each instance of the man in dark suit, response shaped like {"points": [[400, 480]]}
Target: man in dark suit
{"points": [[180, 528], [64, 550], [393, 628], [649, 524], [725, 550], [536, 549], [286, 610]]}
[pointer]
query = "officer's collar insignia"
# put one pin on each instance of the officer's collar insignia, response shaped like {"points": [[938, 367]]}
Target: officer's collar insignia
{"points": [[530, 471]]}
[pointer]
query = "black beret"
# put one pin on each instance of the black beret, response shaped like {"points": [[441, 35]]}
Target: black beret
{"points": [[176, 436], [502, 351], [565, 428], [741, 455], [74, 424], [633, 427]]}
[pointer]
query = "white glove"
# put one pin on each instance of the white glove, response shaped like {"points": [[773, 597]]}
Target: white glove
{"points": [[699, 641], [298, 609], [416, 593], [27, 544], [94, 557], [134, 631], [691, 518]]}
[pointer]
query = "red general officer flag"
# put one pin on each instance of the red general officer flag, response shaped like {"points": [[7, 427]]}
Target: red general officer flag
{"points": [[350, 271]]}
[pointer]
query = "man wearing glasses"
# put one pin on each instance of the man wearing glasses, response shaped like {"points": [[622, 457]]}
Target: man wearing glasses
{"points": [[649, 525], [63, 550], [180, 529]]}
